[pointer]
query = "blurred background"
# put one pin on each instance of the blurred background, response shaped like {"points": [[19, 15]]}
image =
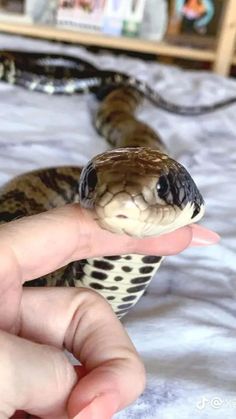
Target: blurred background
{"points": [[198, 34]]}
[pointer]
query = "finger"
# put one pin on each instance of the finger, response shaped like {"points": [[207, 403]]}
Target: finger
{"points": [[84, 323], [20, 414], [177, 241], [50, 238], [10, 289], [35, 378], [57, 237]]}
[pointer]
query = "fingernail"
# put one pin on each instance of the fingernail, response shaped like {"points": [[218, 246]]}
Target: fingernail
{"points": [[102, 407], [203, 237]]}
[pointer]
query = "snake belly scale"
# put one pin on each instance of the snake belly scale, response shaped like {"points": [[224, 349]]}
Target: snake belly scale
{"points": [[135, 188]]}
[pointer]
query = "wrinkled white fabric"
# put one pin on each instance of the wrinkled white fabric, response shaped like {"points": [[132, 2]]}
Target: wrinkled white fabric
{"points": [[185, 327]]}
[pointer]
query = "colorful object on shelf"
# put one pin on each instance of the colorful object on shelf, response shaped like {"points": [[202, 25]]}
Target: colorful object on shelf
{"points": [[123, 17], [113, 17], [200, 11], [133, 17], [155, 20], [114, 14], [84, 14]]}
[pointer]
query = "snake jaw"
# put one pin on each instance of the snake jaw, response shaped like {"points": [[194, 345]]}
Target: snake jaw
{"points": [[153, 221]]}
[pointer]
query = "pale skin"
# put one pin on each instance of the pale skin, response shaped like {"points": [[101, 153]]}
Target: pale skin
{"points": [[37, 324]]}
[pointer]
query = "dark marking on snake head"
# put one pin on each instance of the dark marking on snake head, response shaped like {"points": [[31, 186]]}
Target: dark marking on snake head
{"points": [[196, 211], [178, 188]]}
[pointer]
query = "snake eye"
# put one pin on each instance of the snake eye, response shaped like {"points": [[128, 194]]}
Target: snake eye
{"points": [[92, 179], [163, 186], [88, 181]]}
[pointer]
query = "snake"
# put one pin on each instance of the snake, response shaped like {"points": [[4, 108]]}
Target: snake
{"points": [[133, 188], [65, 74]]}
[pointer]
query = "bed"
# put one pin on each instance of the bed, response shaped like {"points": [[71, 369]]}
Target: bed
{"points": [[185, 326]]}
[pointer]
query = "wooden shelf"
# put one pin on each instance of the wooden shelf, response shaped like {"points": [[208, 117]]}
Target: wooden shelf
{"points": [[123, 43], [220, 53]]}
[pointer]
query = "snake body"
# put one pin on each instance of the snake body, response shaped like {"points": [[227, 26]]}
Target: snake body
{"points": [[135, 188], [64, 74]]}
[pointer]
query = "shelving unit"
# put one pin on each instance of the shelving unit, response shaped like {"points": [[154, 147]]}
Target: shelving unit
{"points": [[219, 52]]}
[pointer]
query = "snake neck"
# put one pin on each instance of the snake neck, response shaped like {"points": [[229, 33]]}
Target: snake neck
{"points": [[121, 280], [116, 121]]}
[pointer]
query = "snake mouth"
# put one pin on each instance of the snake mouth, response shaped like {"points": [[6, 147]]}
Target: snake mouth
{"points": [[131, 227], [156, 221]]}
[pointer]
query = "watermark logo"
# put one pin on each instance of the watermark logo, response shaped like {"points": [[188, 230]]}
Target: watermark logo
{"points": [[215, 403]]}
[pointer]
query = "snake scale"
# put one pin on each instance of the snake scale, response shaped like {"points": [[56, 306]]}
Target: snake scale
{"points": [[133, 188]]}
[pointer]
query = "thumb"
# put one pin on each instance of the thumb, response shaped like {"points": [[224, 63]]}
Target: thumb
{"points": [[114, 374], [107, 389], [83, 322]]}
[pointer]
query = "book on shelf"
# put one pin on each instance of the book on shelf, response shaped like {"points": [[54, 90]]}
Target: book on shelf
{"points": [[114, 17]]}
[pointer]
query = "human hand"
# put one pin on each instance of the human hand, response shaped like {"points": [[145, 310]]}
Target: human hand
{"points": [[38, 323]]}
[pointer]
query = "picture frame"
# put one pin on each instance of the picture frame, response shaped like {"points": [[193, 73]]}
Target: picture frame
{"points": [[13, 12]]}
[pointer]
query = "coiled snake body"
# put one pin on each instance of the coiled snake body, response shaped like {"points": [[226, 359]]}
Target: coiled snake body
{"points": [[64, 74], [135, 188]]}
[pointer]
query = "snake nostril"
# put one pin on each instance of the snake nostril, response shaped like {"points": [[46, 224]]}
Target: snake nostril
{"points": [[121, 216]]}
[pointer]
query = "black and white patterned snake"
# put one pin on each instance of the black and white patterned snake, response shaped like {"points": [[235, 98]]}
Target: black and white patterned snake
{"points": [[64, 74], [134, 188]]}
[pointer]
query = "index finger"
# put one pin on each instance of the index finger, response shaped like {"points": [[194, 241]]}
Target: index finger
{"points": [[42, 243]]}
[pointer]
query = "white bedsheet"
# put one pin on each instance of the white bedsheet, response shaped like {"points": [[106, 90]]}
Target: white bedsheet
{"points": [[185, 327]]}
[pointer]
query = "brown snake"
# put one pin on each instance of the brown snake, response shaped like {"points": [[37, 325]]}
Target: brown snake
{"points": [[135, 188]]}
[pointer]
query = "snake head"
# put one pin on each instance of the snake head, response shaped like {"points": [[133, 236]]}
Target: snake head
{"points": [[140, 192]]}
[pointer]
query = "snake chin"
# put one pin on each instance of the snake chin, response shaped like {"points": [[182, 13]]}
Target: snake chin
{"points": [[156, 225]]}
